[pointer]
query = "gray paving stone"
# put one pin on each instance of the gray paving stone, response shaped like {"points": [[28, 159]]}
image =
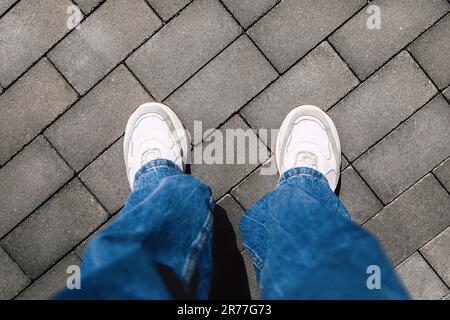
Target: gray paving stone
{"points": [[360, 202], [5, 4], [442, 172], [87, 5], [98, 119], [420, 280], [31, 104], [344, 163], [408, 153], [221, 177], [12, 278], [103, 40], [183, 46], [27, 31], [28, 180], [234, 213], [248, 11], [52, 282], [437, 254], [79, 250], [447, 297], [255, 291], [321, 78], [412, 220], [432, 49], [167, 8], [54, 229], [256, 185], [106, 177], [446, 93], [380, 104], [224, 86], [365, 50], [294, 27]]}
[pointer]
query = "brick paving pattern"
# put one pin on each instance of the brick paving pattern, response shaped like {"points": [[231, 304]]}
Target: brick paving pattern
{"points": [[66, 94]]}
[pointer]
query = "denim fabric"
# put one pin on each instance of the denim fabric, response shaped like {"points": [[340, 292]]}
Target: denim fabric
{"points": [[300, 236], [158, 247], [305, 246]]}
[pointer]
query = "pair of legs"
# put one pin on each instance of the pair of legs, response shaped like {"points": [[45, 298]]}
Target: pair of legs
{"points": [[301, 239]]}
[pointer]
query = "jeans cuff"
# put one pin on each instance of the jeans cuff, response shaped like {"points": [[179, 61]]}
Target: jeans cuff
{"points": [[170, 167], [301, 171]]}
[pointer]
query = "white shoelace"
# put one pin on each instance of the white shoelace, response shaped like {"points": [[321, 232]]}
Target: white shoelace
{"points": [[306, 159]]}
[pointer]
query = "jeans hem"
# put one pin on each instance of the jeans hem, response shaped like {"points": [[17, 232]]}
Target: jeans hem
{"points": [[301, 171], [154, 165]]}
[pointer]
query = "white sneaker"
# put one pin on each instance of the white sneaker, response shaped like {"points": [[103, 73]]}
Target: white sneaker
{"points": [[308, 138], [154, 132]]}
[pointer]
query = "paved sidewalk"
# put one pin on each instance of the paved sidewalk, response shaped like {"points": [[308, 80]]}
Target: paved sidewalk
{"points": [[66, 94]]}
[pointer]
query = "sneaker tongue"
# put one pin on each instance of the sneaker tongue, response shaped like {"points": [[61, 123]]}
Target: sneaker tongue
{"points": [[150, 155], [306, 159]]}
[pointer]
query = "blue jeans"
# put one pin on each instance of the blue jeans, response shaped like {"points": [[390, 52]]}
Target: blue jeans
{"points": [[300, 237]]}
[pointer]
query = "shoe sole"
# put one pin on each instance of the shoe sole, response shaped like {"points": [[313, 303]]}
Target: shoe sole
{"points": [[327, 122], [152, 107]]}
